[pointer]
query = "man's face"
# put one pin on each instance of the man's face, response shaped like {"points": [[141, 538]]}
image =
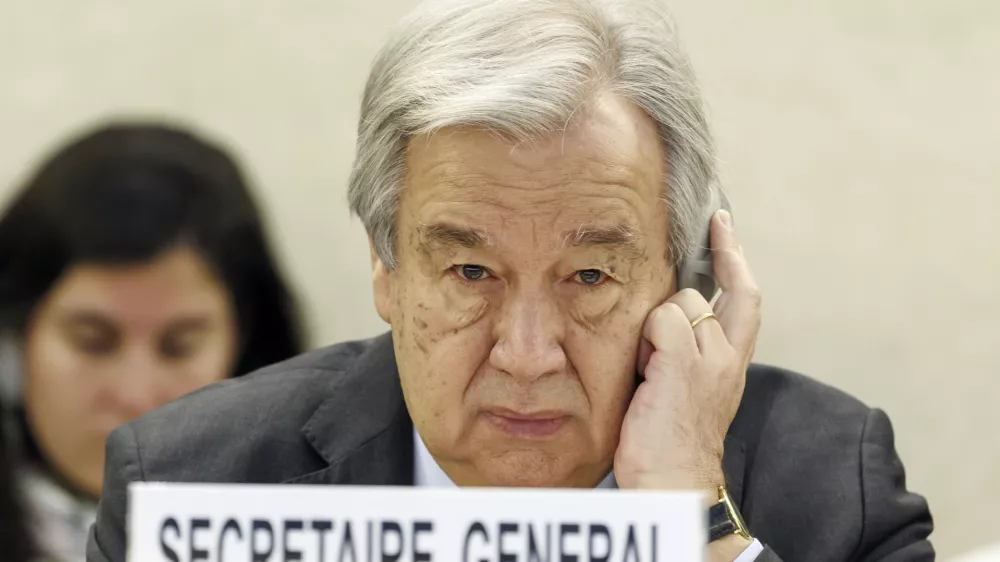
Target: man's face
{"points": [[524, 275]]}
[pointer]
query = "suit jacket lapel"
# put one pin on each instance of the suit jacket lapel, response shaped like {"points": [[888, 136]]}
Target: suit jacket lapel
{"points": [[733, 467], [363, 429]]}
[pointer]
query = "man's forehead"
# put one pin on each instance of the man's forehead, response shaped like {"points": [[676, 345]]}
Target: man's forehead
{"points": [[593, 196], [623, 237], [615, 145], [596, 186], [486, 215], [469, 174]]}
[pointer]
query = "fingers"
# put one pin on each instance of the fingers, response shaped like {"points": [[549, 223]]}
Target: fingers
{"points": [[740, 317], [708, 332], [668, 326], [669, 330]]}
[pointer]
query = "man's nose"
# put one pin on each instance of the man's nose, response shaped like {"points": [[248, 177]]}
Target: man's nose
{"points": [[529, 336]]}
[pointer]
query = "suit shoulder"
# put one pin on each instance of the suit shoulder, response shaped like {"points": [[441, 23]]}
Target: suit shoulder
{"points": [[787, 413], [804, 446], [288, 386], [258, 413], [797, 430], [783, 396]]}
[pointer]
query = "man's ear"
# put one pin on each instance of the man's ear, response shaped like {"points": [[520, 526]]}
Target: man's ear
{"points": [[381, 288]]}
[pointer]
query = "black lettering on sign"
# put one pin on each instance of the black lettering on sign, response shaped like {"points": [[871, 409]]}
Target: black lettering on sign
{"points": [[230, 525], [564, 530], [260, 527], [321, 526], [348, 542], [505, 529], [370, 549], [391, 527], [476, 527], [533, 551], [169, 523], [653, 557], [421, 527], [197, 553], [290, 525], [596, 530], [631, 550]]}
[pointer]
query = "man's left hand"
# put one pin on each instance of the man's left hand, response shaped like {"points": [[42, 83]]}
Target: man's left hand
{"points": [[673, 432]]}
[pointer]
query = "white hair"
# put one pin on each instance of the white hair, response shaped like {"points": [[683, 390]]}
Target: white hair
{"points": [[521, 68]]}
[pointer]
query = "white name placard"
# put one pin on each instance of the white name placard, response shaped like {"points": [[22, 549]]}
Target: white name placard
{"points": [[272, 523]]}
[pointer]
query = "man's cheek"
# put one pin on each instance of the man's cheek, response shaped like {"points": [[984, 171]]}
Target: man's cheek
{"points": [[465, 310], [604, 342], [595, 309], [434, 309], [451, 308]]}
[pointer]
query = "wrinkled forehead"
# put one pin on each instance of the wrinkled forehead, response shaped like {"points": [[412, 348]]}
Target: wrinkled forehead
{"points": [[603, 174]]}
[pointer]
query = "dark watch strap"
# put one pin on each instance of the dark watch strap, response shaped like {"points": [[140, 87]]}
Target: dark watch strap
{"points": [[719, 523]]}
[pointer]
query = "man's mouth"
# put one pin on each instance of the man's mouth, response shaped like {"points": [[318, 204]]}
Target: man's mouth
{"points": [[527, 425]]}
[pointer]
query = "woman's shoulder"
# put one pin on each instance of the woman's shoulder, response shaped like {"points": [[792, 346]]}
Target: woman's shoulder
{"points": [[58, 519]]}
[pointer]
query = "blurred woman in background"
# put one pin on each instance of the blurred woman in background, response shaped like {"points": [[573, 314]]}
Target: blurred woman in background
{"points": [[134, 269]]}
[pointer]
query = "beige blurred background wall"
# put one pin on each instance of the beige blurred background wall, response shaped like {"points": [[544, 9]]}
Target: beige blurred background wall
{"points": [[859, 140]]}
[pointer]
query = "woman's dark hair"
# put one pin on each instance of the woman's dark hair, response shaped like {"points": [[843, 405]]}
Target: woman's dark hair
{"points": [[127, 192]]}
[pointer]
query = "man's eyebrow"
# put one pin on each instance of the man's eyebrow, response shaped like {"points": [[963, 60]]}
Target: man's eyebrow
{"points": [[621, 237], [443, 234]]}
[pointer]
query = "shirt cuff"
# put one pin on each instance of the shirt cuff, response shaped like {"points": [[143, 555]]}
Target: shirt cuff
{"points": [[751, 552]]}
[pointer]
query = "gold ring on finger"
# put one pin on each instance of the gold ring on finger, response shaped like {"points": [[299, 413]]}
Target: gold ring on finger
{"points": [[699, 319]]}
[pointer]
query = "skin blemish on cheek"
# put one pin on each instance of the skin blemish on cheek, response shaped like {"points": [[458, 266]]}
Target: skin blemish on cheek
{"points": [[421, 337], [400, 328]]}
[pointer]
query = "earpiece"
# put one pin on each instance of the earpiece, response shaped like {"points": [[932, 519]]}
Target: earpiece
{"points": [[696, 272]]}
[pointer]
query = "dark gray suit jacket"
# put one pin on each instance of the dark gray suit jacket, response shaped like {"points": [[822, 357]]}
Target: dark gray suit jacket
{"points": [[813, 470]]}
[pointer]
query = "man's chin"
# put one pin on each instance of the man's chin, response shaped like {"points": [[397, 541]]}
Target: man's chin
{"points": [[528, 469]]}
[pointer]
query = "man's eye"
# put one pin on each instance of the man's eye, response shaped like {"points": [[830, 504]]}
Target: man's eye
{"points": [[592, 277], [471, 272]]}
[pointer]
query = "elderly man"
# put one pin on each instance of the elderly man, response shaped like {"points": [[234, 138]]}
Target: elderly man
{"points": [[536, 178]]}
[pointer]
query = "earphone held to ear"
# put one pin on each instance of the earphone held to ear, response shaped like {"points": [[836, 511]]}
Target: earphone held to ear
{"points": [[696, 271]]}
